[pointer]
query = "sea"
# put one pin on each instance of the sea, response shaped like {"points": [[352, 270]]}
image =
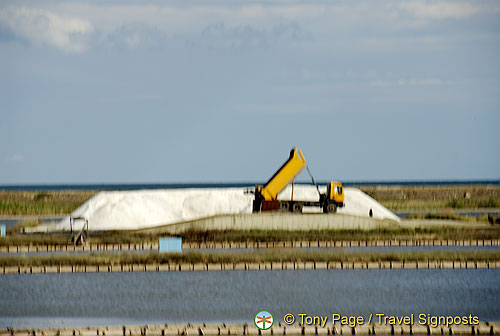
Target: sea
{"points": [[146, 186]]}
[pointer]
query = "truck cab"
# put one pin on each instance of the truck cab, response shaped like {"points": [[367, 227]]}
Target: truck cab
{"points": [[333, 198], [335, 192]]}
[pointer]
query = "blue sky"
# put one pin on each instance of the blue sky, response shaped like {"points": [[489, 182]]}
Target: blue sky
{"points": [[220, 91]]}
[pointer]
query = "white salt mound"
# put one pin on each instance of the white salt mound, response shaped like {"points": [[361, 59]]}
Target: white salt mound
{"points": [[130, 210]]}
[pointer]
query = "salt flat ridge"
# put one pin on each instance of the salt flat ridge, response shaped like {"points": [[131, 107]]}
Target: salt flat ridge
{"points": [[130, 210]]}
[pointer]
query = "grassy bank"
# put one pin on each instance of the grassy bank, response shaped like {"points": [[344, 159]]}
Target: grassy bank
{"points": [[450, 216], [400, 198], [39, 239], [23, 203], [441, 232], [265, 256], [123, 237]]}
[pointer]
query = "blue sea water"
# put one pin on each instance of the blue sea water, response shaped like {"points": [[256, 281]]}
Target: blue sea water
{"points": [[142, 186]]}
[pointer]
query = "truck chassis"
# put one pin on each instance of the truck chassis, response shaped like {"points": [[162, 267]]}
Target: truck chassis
{"points": [[295, 206]]}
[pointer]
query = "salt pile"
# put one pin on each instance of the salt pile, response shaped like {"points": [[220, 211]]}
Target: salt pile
{"points": [[131, 210]]}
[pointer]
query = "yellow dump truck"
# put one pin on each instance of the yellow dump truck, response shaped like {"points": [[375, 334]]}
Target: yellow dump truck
{"points": [[266, 197]]}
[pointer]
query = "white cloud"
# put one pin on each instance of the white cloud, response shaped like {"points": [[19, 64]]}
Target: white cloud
{"points": [[441, 10], [66, 25], [134, 36], [378, 83], [45, 27], [406, 82], [69, 25], [14, 158], [427, 81], [193, 19], [248, 36]]}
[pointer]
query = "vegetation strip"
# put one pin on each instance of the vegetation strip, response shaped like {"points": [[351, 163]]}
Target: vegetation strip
{"points": [[278, 255], [435, 197], [418, 233], [139, 237], [153, 246], [17, 203]]}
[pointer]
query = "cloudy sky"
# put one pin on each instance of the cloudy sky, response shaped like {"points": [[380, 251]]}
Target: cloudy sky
{"points": [[220, 91]]}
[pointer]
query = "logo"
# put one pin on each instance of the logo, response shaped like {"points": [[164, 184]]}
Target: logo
{"points": [[264, 320]]}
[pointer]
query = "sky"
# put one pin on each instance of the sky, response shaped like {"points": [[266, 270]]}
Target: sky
{"points": [[221, 90]]}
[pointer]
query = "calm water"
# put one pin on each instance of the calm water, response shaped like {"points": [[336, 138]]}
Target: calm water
{"points": [[138, 298], [11, 222]]}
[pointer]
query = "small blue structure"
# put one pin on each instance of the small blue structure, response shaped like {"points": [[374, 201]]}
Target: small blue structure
{"points": [[170, 244], [2, 230]]}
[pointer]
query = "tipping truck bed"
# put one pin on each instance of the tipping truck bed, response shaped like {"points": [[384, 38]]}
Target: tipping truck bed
{"points": [[266, 197], [284, 175]]}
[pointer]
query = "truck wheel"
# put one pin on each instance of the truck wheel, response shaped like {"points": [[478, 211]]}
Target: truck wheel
{"points": [[332, 208], [297, 208], [284, 207]]}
